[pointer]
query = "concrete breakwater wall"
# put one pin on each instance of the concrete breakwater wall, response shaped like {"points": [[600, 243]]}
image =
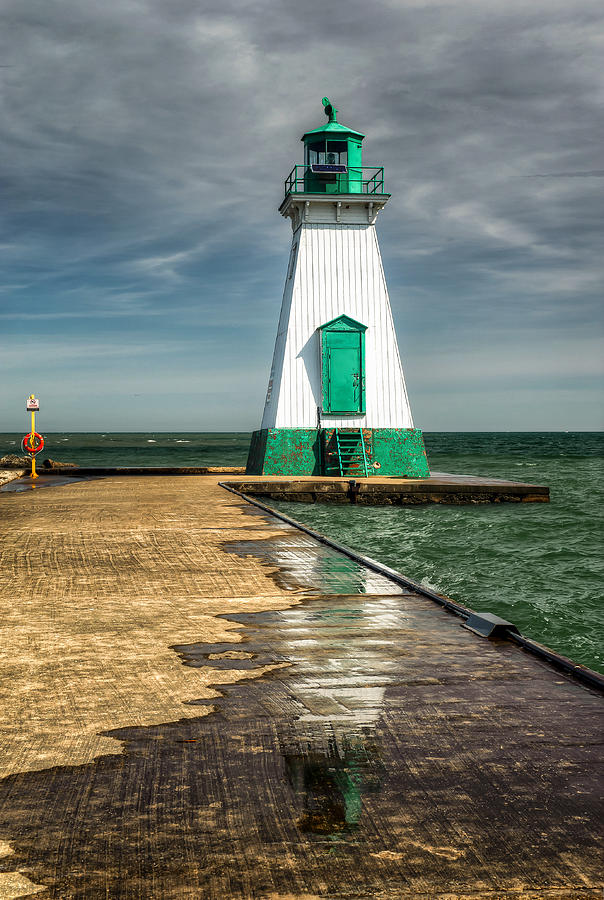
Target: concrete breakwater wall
{"points": [[437, 488]]}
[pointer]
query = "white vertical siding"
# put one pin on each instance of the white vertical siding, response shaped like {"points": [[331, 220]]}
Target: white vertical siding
{"points": [[275, 379], [337, 270]]}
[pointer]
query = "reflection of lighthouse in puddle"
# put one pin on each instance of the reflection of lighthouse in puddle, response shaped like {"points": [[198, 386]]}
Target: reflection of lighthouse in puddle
{"points": [[329, 784], [331, 679], [323, 569], [325, 703], [338, 680]]}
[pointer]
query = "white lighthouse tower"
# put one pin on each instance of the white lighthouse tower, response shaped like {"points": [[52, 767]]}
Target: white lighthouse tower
{"points": [[336, 402]]}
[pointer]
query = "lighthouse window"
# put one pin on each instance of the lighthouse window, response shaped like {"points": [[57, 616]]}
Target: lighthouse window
{"points": [[331, 153], [336, 153]]}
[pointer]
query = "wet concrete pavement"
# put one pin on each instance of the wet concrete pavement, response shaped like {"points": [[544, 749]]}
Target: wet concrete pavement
{"points": [[20, 484], [385, 752]]}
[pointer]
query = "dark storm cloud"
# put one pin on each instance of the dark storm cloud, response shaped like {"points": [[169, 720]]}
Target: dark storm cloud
{"points": [[145, 144], [596, 174]]}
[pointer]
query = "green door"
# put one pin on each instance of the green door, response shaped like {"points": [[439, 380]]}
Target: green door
{"points": [[343, 387]]}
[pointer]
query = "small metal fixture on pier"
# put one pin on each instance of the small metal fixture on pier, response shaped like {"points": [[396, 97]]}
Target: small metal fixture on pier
{"points": [[489, 625]]}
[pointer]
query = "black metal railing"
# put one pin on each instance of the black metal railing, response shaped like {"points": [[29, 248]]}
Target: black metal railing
{"points": [[356, 180]]}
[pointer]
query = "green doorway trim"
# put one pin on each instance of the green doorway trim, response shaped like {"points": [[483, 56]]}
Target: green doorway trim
{"points": [[343, 367]]}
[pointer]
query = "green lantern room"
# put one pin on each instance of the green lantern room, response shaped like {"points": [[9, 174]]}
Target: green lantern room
{"points": [[333, 157]]}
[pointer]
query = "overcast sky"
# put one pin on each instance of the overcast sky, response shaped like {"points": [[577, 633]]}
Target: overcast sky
{"points": [[144, 147]]}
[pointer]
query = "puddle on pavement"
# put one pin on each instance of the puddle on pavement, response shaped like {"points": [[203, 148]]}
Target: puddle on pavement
{"points": [[301, 563], [383, 756], [18, 485], [322, 706]]}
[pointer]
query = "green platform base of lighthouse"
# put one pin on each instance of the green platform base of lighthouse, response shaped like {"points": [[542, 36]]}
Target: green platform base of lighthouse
{"points": [[312, 451]]}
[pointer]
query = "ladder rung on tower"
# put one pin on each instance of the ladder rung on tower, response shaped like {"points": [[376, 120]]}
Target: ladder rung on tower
{"points": [[351, 453]]}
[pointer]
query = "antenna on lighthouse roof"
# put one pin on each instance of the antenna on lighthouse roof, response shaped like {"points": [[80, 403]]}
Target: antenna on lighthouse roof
{"points": [[330, 109]]}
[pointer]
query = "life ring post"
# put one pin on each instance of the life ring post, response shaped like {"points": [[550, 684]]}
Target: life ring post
{"points": [[33, 442]]}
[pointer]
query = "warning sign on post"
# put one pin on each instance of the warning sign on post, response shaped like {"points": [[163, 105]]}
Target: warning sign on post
{"points": [[33, 404]]}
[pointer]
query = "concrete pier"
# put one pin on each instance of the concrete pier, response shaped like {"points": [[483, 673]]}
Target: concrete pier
{"points": [[439, 487], [198, 700]]}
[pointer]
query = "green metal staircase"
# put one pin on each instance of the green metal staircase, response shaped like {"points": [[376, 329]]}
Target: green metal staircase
{"points": [[349, 456]]}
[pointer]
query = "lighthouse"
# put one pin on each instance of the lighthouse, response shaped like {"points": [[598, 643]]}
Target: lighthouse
{"points": [[336, 402]]}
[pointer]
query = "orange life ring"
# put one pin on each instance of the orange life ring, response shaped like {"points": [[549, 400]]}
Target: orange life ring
{"points": [[32, 443]]}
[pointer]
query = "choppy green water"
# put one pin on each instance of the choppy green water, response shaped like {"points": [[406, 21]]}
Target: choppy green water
{"points": [[538, 565], [139, 449]]}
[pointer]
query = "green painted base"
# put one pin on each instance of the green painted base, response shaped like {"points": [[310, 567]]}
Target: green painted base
{"points": [[285, 451], [308, 451]]}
